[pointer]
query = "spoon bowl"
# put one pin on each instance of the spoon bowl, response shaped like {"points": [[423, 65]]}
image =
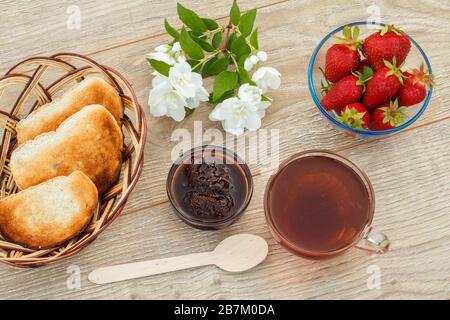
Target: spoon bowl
{"points": [[240, 252]]}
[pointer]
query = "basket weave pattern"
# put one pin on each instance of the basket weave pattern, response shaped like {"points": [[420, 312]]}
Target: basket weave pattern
{"points": [[29, 75]]}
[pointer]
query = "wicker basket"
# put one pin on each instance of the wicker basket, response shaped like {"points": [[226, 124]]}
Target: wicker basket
{"points": [[28, 79]]}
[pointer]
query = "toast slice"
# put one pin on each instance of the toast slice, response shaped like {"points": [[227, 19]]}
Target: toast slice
{"points": [[89, 141], [50, 213], [48, 117]]}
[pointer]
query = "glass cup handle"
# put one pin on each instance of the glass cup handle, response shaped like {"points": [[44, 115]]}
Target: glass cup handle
{"points": [[374, 241]]}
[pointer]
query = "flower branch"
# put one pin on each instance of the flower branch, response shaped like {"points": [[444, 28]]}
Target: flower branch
{"points": [[230, 54]]}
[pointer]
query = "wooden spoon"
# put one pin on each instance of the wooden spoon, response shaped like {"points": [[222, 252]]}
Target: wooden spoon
{"points": [[237, 253]]}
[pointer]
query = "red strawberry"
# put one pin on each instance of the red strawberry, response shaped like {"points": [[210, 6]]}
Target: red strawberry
{"points": [[384, 85], [414, 88], [355, 115], [343, 57], [347, 90], [387, 116], [385, 45]]}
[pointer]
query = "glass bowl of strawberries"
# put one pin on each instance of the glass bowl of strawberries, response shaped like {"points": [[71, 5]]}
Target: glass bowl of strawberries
{"points": [[370, 80]]}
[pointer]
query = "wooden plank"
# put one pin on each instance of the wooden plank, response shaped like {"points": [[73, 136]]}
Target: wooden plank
{"points": [[289, 45], [104, 24], [412, 189], [409, 171]]}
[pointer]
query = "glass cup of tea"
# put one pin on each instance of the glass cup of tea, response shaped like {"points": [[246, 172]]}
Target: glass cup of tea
{"points": [[319, 204]]}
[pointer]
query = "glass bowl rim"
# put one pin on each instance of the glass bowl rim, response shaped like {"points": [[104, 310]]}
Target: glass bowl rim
{"points": [[340, 124]]}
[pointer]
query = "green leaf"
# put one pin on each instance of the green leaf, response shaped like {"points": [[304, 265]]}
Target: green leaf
{"points": [[240, 47], [231, 40], [195, 64], [347, 32], [226, 95], [171, 30], [235, 13], [242, 59], [189, 46], [244, 77], [207, 66], [191, 19], [203, 43], [254, 39], [189, 111], [225, 81], [355, 32], [210, 24], [215, 66], [159, 66], [265, 98], [217, 39], [247, 21]]}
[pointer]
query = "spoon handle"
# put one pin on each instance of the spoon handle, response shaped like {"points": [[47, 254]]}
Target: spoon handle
{"points": [[148, 268]]}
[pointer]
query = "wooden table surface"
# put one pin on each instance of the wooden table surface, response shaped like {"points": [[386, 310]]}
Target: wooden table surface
{"points": [[410, 171]]}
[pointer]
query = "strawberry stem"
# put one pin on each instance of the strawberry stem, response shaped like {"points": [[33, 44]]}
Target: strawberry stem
{"points": [[420, 75], [391, 28], [394, 70], [394, 114], [350, 38], [352, 118], [324, 87], [363, 77]]}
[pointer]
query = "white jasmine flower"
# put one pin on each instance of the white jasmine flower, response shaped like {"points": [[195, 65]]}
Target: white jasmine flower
{"points": [[250, 62], [249, 93], [168, 54], [177, 53], [163, 48], [182, 88], [253, 94], [248, 65], [201, 95], [234, 115], [161, 56], [262, 56], [254, 59], [186, 82], [176, 47], [165, 101], [242, 112], [267, 77]]}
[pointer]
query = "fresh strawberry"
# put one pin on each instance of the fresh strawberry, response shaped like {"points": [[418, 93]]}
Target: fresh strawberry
{"points": [[347, 90], [355, 115], [343, 57], [414, 88], [364, 64], [387, 116], [384, 85], [385, 45]]}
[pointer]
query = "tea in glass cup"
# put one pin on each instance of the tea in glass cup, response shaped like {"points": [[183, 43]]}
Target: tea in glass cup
{"points": [[319, 204]]}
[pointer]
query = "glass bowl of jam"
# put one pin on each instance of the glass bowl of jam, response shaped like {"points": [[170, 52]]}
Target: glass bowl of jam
{"points": [[209, 187]]}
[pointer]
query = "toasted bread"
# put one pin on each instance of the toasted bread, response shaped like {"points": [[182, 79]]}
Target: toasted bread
{"points": [[48, 117], [49, 213], [89, 141]]}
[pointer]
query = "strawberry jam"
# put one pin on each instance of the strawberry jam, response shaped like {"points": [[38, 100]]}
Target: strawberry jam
{"points": [[209, 187]]}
